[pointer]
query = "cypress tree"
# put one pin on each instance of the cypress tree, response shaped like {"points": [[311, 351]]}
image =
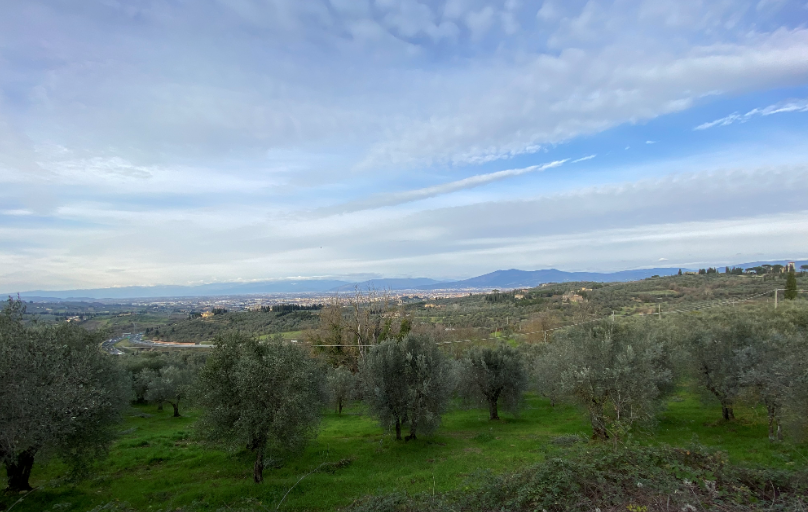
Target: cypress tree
{"points": [[791, 286]]}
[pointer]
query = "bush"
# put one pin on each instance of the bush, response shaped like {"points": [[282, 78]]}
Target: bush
{"points": [[598, 477]]}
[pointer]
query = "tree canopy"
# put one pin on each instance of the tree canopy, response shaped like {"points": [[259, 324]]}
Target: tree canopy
{"points": [[617, 371], [791, 286], [267, 396], [59, 395], [497, 375], [408, 382]]}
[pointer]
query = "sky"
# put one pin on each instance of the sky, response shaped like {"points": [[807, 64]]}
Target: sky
{"points": [[147, 142]]}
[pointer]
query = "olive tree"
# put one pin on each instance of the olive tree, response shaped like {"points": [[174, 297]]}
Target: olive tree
{"points": [[769, 370], [407, 382], [59, 395], [617, 371], [265, 396], [142, 369], [140, 383], [544, 374], [341, 387], [171, 384], [495, 375], [710, 343]]}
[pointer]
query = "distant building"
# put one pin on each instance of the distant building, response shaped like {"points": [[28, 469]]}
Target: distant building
{"points": [[790, 267], [207, 314], [572, 297]]}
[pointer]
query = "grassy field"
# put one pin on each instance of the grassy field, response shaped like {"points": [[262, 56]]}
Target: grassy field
{"points": [[156, 464]]}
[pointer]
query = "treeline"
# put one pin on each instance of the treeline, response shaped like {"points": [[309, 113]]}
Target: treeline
{"points": [[252, 322], [519, 310]]}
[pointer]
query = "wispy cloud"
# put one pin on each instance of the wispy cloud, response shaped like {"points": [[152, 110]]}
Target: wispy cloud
{"points": [[396, 198], [777, 108], [590, 157]]}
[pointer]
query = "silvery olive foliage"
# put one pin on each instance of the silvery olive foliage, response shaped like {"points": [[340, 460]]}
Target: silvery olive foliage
{"points": [[341, 387], [170, 384], [59, 395], [711, 343], [617, 371], [496, 376], [767, 375], [543, 372], [408, 383], [266, 396], [142, 369]]}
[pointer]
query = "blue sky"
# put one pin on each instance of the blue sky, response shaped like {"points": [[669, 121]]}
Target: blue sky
{"points": [[183, 142]]}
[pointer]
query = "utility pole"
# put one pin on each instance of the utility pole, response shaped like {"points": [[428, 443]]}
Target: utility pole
{"points": [[775, 297], [612, 316]]}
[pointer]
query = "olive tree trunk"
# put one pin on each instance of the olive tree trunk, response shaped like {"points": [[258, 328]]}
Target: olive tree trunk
{"points": [[598, 422], [775, 433], [492, 409], [413, 428], [19, 471], [258, 467]]}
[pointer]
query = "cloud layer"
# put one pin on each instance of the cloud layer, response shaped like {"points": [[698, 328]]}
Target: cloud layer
{"points": [[160, 142]]}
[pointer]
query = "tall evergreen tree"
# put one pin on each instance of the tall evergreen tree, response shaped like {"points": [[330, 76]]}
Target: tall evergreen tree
{"points": [[791, 286]]}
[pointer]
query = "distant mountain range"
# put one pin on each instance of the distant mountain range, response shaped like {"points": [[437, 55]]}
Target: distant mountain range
{"points": [[501, 279], [391, 284], [528, 278]]}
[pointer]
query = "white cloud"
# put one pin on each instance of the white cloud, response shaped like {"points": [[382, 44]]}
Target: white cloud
{"points": [[778, 108], [551, 99], [704, 216], [396, 198], [410, 18], [548, 11], [479, 22]]}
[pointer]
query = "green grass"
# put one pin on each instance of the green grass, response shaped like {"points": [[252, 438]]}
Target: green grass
{"points": [[156, 464]]}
